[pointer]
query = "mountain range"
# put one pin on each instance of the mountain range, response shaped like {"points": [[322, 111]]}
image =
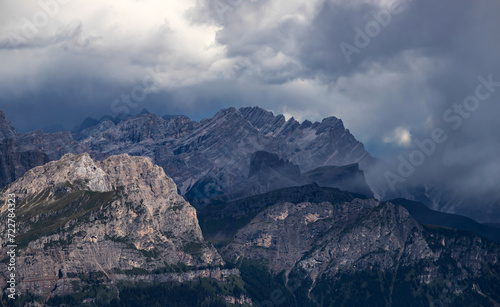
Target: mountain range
{"points": [[117, 233], [244, 208], [214, 156], [216, 151]]}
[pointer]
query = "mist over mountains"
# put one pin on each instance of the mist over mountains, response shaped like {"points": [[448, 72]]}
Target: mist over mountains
{"points": [[220, 155], [116, 232], [226, 209], [301, 153]]}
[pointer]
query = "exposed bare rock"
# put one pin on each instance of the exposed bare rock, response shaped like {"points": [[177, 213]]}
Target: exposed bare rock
{"points": [[214, 154], [77, 216], [285, 232], [14, 161], [217, 151], [329, 241], [55, 145], [6, 130]]}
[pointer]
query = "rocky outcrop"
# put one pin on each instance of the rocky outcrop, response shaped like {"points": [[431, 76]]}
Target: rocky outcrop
{"points": [[209, 157], [348, 178], [214, 155], [77, 216], [221, 217], [285, 232], [21, 152], [14, 161], [331, 245], [6, 130], [268, 172]]}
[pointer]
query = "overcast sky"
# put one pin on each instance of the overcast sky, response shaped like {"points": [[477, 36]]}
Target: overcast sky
{"points": [[390, 70]]}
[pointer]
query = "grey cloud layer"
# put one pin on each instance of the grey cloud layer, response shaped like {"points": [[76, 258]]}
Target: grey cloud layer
{"points": [[284, 56]]}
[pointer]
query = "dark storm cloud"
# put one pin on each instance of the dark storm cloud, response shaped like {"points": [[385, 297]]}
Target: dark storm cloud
{"points": [[456, 42], [285, 56]]}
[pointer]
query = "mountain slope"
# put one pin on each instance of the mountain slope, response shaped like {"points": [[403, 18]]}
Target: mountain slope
{"points": [[424, 215], [82, 221], [366, 253], [213, 156], [6, 130], [116, 230], [217, 151], [221, 217]]}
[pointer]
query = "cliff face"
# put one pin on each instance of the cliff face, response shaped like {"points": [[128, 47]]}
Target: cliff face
{"points": [[21, 152], [84, 223], [209, 157], [14, 161], [78, 217], [363, 252], [6, 130], [289, 234], [214, 156], [218, 151]]}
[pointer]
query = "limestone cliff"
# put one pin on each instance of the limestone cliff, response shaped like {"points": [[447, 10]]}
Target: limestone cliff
{"points": [[113, 219], [366, 253]]}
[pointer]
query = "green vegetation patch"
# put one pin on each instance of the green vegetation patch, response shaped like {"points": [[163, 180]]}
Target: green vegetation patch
{"points": [[55, 211], [203, 292]]}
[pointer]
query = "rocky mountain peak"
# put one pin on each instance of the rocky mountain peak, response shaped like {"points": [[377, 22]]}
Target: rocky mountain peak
{"points": [[130, 173], [262, 160], [256, 115], [225, 112], [216, 150], [79, 170], [263, 120], [330, 123], [79, 216], [6, 130]]}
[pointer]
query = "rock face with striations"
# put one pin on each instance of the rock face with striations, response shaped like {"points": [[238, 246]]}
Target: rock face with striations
{"points": [[15, 159], [216, 152], [365, 253], [214, 156], [6, 130], [77, 216], [268, 172]]}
